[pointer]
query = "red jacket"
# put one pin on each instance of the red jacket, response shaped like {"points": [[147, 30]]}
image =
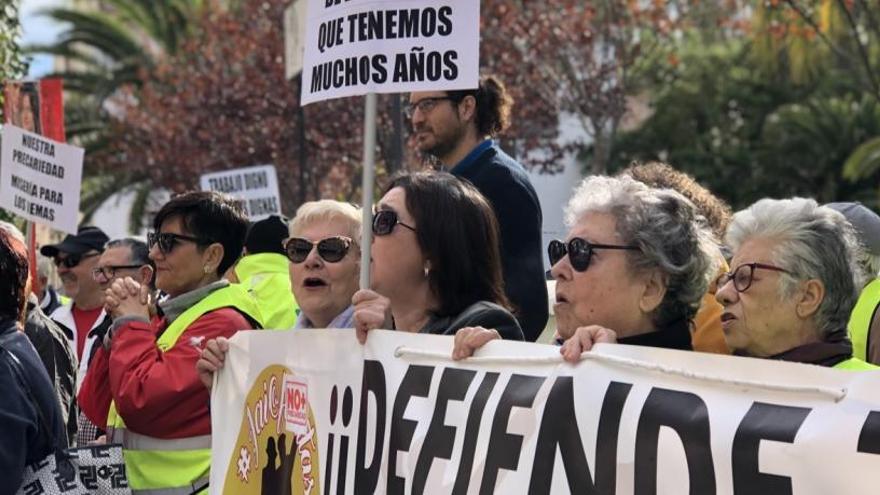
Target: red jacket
{"points": [[157, 394]]}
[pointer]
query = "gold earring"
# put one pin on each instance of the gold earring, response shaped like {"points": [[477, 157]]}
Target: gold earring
{"points": [[207, 269], [427, 270]]}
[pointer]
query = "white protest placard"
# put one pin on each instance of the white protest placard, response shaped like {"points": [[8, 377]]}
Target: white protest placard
{"points": [[316, 411], [40, 179], [256, 188], [355, 47]]}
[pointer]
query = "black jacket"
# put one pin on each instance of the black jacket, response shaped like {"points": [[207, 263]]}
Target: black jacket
{"points": [[480, 314], [505, 184], [23, 438], [57, 354]]}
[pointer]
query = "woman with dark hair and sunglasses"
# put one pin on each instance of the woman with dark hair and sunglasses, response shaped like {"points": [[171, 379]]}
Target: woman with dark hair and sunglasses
{"points": [[436, 266], [633, 269], [148, 363]]}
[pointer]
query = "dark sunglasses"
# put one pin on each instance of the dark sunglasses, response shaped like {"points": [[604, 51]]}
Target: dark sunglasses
{"points": [[743, 274], [579, 252], [331, 249], [72, 260], [384, 222], [167, 241]]}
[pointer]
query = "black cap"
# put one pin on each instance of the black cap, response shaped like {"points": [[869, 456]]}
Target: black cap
{"points": [[85, 240], [865, 221], [265, 236]]}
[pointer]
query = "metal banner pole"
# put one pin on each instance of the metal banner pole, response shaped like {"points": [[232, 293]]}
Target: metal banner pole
{"points": [[369, 174]]}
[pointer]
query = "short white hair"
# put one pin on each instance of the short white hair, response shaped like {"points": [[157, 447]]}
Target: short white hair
{"points": [[326, 210], [814, 242]]}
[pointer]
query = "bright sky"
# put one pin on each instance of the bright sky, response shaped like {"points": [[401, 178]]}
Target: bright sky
{"points": [[38, 29]]}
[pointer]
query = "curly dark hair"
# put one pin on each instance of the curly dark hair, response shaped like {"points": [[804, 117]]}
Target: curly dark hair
{"points": [[663, 176], [13, 277], [494, 104]]}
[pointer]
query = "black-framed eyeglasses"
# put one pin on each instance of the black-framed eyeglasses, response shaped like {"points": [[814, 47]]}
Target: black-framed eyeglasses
{"points": [[425, 105], [104, 273], [743, 274], [167, 241], [330, 249], [384, 222], [73, 260], [579, 251]]}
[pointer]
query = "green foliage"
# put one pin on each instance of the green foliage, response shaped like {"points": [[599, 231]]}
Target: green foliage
{"points": [[747, 135], [12, 63], [864, 162]]}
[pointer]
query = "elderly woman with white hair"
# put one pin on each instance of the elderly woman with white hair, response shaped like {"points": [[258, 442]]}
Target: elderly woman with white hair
{"points": [[324, 267], [633, 269], [794, 280]]}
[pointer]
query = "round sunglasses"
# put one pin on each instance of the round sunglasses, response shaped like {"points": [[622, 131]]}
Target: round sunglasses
{"points": [[331, 249], [579, 251]]}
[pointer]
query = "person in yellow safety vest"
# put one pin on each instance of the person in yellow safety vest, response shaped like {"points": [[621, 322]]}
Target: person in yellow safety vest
{"points": [[795, 278], [864, 322], [263, 270], [160, 410]]}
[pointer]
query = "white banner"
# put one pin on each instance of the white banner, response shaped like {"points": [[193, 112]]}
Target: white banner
{"points": [[256, 187], [313, 411], [40, 179], [354, 47]]}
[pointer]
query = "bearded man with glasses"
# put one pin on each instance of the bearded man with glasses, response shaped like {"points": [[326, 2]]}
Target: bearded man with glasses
{"points": [[795, 277], [458, 128]]}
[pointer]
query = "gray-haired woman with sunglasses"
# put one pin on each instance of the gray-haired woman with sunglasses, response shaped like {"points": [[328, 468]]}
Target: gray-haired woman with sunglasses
{"points": [[436, 264], [633, 269]]}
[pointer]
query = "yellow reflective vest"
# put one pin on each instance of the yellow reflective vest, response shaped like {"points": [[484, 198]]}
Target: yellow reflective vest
{"points": [[860, 319], [158, 466], [267, 276], [855, 364]]}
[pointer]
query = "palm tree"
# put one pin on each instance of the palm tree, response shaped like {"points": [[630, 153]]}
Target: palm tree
{"points": [[107, 48], [107, 51]]}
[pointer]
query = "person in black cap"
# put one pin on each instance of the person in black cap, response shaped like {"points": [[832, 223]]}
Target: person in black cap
{"points": [[264, 271], [84, 320], [864, 322]]}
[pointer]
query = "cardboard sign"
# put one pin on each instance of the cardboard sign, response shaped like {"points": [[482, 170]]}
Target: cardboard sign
{"points": [[40, 179], [255, 187], [398, 416], [354, 47]]}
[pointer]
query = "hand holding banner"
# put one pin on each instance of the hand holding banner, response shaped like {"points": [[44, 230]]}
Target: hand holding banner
{"points": [[396, 416]]}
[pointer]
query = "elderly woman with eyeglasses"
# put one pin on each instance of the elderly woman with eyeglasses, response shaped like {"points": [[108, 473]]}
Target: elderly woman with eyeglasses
{"points": [[633, 269], [436, 266], [324, 267], [148, 364], [795, 278]]}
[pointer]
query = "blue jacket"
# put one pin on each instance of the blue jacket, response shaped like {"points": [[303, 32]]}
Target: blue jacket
{"points": [[23, 439], [506, 185]]}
